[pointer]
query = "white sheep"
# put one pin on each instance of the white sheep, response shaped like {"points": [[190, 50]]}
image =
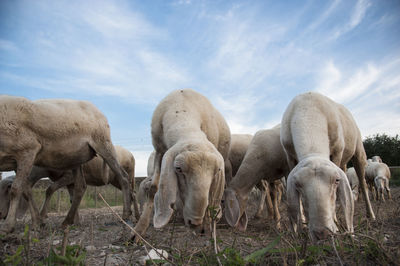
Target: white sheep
{"points": [[353, 181], [264, 159], [319, 136], [57, 134], [191, 140], [237, 151], [377, 175], [95, 172]]}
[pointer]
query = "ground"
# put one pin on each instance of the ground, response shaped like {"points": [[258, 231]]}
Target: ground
{"points": [[106, 241]]}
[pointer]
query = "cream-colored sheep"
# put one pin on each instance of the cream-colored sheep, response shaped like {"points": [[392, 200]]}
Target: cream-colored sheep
{"points": [[319, 136], [237, 151], [58, 134], [353, 181], [191, 140], [264, 159], [377, 175], [93, 172]]}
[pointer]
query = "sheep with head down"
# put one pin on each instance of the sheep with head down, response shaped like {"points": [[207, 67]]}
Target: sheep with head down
{"points": [[55, 134], [265, 159], [95, 172], [320, 137], [191, 141], [377, 175]]}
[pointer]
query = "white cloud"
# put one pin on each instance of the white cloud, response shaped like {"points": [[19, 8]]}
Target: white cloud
{"points": [[8, 46], [356, 18], [371, 93], [345, 89]]}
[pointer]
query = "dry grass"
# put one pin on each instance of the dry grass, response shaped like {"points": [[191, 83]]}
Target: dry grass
{"points": [[374, 243]]}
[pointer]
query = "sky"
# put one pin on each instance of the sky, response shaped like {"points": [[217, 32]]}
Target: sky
{"points": [[249, 58]]}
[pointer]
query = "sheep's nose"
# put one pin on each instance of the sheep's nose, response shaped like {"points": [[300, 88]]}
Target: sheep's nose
{"points": [[321, 234]]}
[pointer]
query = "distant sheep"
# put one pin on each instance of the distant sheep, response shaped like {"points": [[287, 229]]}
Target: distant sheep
{"points": [[319, 136], [58, 134], [191, 140], [264, 159], [377, 175]]}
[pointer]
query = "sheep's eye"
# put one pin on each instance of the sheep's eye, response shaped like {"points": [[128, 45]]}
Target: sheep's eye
{"points": [[178, 170], [337, 181]]}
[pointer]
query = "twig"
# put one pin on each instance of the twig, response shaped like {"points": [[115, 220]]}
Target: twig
{"points": [[134, 231], [336, 252], [65, 241]]}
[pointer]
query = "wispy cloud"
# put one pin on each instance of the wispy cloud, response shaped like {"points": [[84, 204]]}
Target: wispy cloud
{"points": [[356, 18]]}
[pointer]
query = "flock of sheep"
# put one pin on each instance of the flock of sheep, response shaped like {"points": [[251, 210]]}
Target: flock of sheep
{"points": [[196, 166]]}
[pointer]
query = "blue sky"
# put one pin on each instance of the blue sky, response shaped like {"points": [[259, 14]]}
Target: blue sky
{"points": [[250, 58]]}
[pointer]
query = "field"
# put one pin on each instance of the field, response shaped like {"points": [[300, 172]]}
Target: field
{"points": [[101, 239]]}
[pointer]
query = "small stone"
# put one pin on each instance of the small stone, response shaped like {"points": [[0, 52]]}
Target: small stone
{"points": [[56, 242], [103, 253], [90, 248], [153, 255]]}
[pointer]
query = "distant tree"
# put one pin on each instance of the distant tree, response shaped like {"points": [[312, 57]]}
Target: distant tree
{"points": [[387, 147]]}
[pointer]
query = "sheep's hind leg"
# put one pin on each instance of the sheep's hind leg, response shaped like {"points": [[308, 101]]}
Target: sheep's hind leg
{"points": [[79, 190]]}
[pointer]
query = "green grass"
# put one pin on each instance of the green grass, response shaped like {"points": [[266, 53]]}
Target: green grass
{"points": [[111, 194], [395, 178]]}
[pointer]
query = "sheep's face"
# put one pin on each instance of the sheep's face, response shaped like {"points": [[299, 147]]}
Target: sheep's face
{"points": [[315, 181], [199, 177]]}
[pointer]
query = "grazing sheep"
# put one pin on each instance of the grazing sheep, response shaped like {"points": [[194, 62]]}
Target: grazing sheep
{"points": [[237, 151], [319, 136], [353, 181], [264, 159], [191, 140], [56, 134], [377, 175], [95, 172]]}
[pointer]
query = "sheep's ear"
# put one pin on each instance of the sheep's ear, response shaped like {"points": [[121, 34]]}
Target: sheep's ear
{"points": [[166, 194], [232, 209], [242, 223], [346, 199], [293, 199]]}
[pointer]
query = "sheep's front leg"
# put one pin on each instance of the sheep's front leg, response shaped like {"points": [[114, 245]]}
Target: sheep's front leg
{"points": [[144, 220], [19, 187]]}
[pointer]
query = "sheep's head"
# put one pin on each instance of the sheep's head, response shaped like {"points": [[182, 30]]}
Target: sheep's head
{"points": [[235, 209], [314, 182], [197, 179]]}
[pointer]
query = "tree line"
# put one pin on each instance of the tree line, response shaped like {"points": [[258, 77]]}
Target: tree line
{"points": [[387, 147]]}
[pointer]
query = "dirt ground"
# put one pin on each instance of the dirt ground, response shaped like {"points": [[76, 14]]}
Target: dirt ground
{"points": [[107, 240]]}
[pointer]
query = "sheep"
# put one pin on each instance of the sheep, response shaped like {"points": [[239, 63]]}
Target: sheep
{"points": [[58, 134], [377, 175], [237, 150], [145, 185], [353, 181], [191, 140], [319, 136], [93, 172], [264, 159]]}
